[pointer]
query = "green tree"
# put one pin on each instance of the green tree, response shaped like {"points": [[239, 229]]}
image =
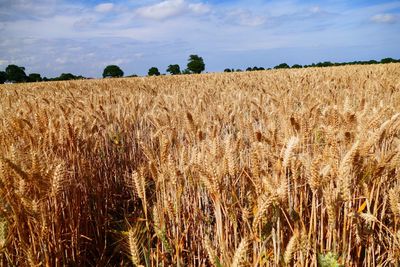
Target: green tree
{"points": [[227, 70], [66, 77], [329, 64], [153, 71], [196, 64], [388, 60], [34, 77], [3, 77], [174, 69], [296, 66], [112, 71], [282, 66], [16, 74]]}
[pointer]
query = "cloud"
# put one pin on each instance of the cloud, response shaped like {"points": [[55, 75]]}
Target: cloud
{"points": [[315, 9], [138, 55], [384, 18], [61, 60], [118, 61], [162, 10], [246, 18], [3, 62], [199, 8], [104, 7], [171, 8], [28, 7], [83, 23]]}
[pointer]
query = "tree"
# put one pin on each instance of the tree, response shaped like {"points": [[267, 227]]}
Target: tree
{"points": [[66, 77], [16, 74], [227, 70], [3, 77], [388, 60], [255, 68], [296, 66], [196, 64], [282, 66], [153, 71], [174, 69], [34, 77], [112, 71], [329, 64]]}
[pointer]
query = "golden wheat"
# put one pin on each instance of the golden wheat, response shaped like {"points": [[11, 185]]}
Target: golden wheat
{"points": [[249, 169]]}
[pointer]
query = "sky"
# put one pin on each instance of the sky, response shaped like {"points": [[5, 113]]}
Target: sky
{"points": [[51, 37]]}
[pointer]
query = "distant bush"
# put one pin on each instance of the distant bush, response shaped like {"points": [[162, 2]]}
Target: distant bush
{"points": [[34, 77], [297, 66], [174, 69], [153, 71], [112, 71], [389, 60], [255, 68], [282, 66]]}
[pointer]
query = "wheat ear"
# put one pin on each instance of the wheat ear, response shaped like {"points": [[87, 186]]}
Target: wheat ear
{"points": [[239, 257], [133, 247], [291, 248]]}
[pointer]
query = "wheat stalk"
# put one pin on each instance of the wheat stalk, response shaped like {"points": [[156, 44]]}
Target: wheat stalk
{"points": [[291, 248], [134, 247], [239, 257]]}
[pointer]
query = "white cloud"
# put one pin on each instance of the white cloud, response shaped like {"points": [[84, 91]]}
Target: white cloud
{"points": [[252, 21], [83, 23], [117, 61], [199, 8], [138, 55], [171, 8], [246, 18], [384, 18], [315, 9], [162, 10], [104, 7], [33, 8], [61, 60]]}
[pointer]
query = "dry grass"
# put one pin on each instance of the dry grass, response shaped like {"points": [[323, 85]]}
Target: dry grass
{"points": [[245, 169]]}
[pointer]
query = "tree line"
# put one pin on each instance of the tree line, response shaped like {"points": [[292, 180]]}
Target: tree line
{"points": [[16, 74], [195, 65], [320, 65]]}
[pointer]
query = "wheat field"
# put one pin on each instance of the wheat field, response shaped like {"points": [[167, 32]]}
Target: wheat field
{"points": [[270, 168]]}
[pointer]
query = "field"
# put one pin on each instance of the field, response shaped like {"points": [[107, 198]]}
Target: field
{"points": [[270, 168]]}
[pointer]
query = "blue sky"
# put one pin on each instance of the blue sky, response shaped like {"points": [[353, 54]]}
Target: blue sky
{"points": [[82, 37]]}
